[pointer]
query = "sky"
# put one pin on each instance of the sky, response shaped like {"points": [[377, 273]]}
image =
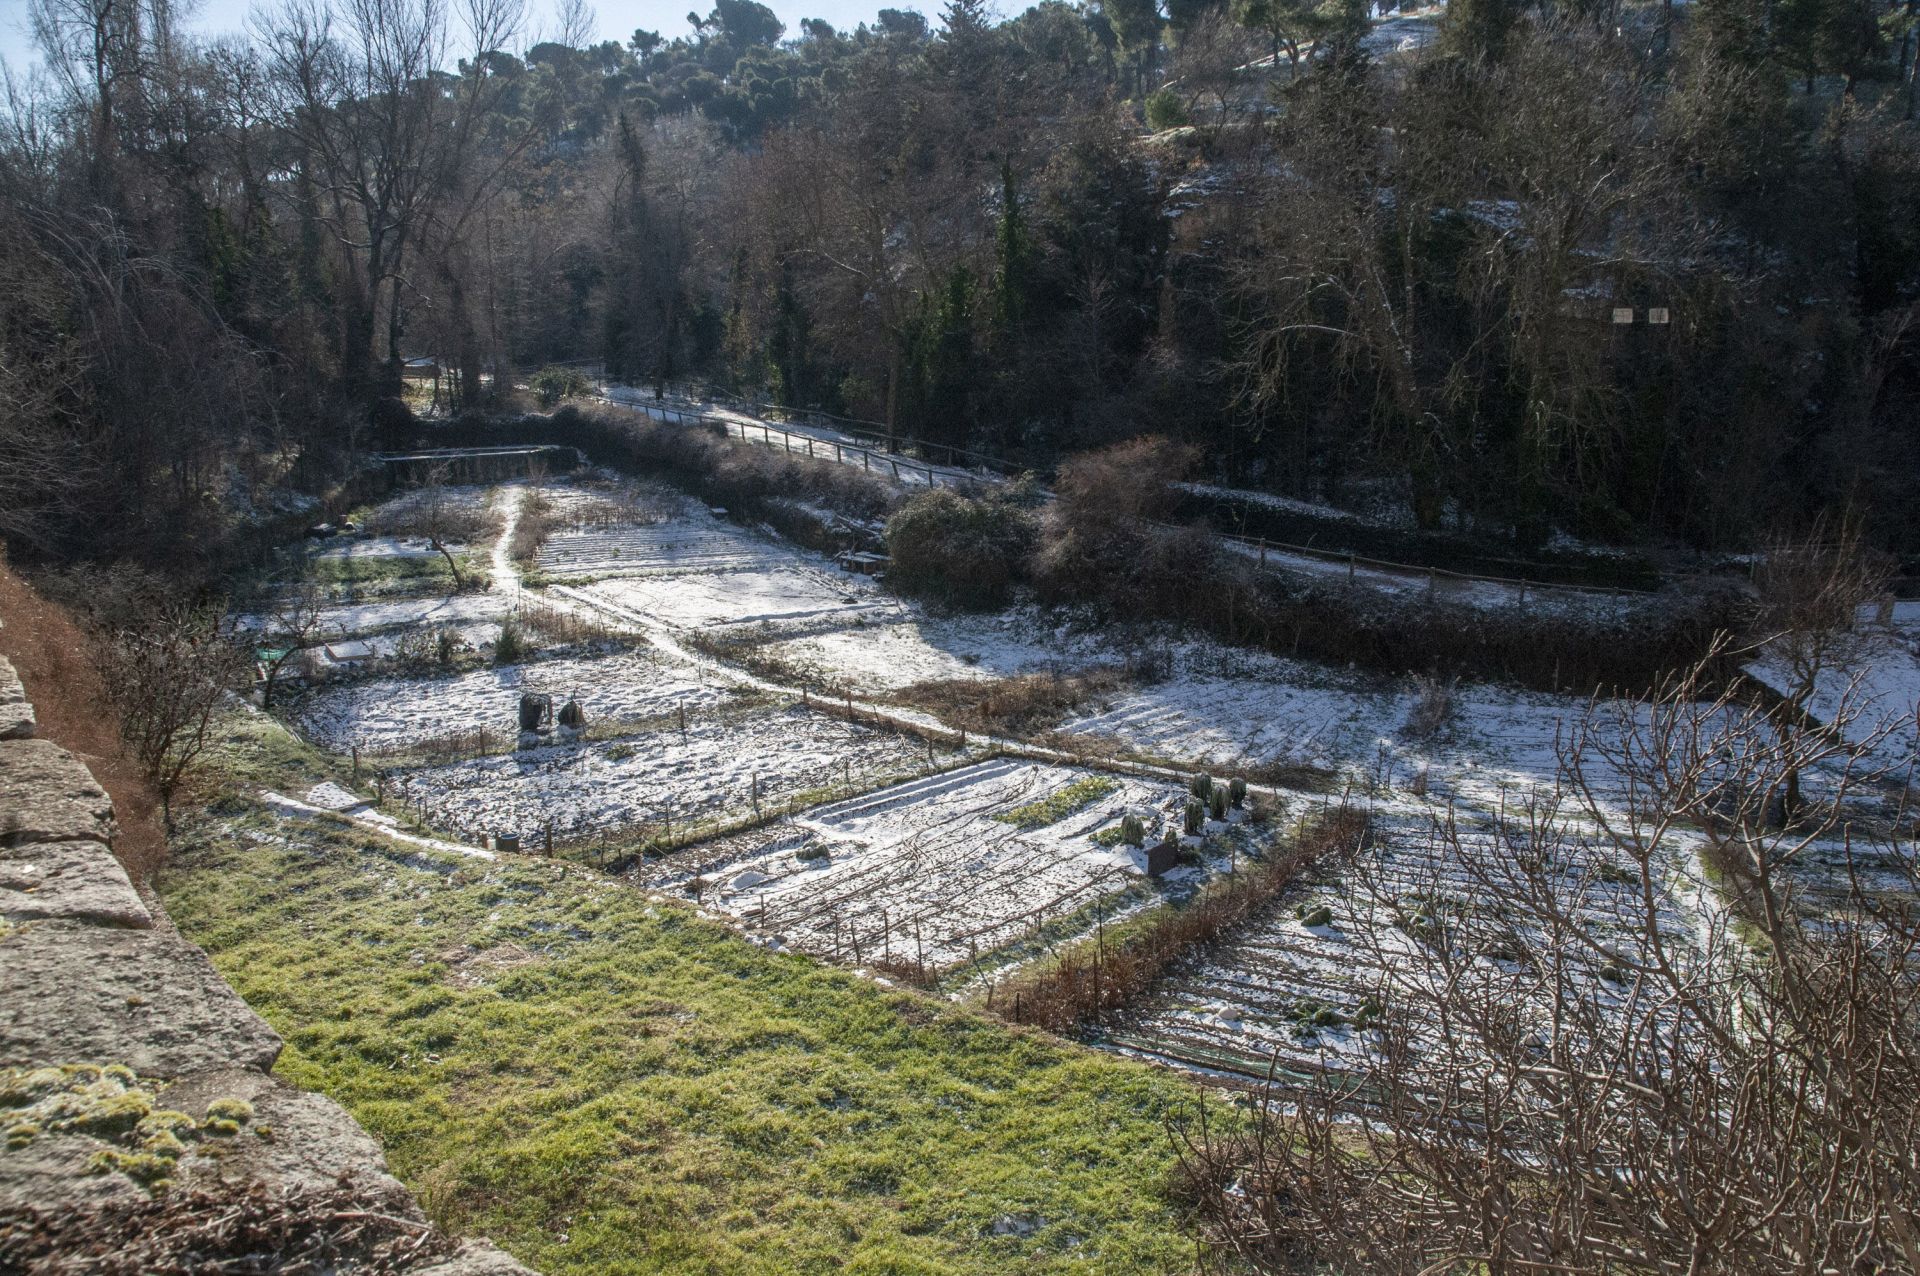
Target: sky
{"points": [[617, 18]]}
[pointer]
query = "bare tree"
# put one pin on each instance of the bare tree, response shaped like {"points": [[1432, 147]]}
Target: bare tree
{"points": [[1812, 589], [438, 521], [1571, 1076], [169, 673], [293, 621]]}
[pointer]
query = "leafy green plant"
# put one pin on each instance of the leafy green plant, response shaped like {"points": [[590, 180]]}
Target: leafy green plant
{"points": [[1075, 797], [1165, 110], [552, 384]]}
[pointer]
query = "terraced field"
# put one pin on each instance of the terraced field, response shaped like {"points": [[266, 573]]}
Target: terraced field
{"points": [[941, 870], [1310, 985], [710, 771]]}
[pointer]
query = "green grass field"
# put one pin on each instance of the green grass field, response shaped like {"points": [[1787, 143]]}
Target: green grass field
{"points": [[607, 1084]]}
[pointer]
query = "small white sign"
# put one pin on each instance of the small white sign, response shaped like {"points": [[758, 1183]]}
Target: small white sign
{"points": [[1657, 314], [1623, 314]]}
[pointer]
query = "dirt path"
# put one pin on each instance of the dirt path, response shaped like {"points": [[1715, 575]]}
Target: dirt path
{"points": [[501, 573]]}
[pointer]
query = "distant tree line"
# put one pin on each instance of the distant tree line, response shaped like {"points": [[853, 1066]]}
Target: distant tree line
{"points": [[1375, 263]]}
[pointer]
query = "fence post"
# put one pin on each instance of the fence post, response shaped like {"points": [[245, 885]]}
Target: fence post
{"points": [[896, 469], [866, 460], [809, 447]]}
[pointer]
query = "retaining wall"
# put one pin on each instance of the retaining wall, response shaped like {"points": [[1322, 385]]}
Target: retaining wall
{"points": [[98, 988]]}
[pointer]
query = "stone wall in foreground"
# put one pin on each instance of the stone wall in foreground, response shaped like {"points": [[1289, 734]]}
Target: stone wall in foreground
{"points": [[131, 1074]]}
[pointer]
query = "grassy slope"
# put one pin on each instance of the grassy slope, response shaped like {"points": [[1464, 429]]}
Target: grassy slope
{"points": [[649, 1092]]}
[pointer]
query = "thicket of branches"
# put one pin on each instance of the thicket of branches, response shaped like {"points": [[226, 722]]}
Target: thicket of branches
{"points": [[1357, 274], [1619, 1089]]}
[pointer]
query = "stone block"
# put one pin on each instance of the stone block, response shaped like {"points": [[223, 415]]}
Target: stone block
{"points": [[475, 1258], [16, 714], [48, 795], [73, 881], [310, 1142], [73, 993]]}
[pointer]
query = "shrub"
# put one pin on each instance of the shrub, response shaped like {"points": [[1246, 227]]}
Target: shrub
{"points": [[1236, 792], [1165, 110], [1201, 786], [1196, 817], [1217, 803], [959, 549], [1132, 830], [552, 384], [1432, 707], [510, 648]]}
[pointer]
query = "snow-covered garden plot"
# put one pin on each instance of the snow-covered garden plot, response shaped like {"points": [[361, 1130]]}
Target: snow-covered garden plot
{"points": [[466, 505], [478, 613], [387, 713], [874, 659], [787, 593], [940, 870], [1874, 681], [1358, 941], [693, 541], [708, 772]]}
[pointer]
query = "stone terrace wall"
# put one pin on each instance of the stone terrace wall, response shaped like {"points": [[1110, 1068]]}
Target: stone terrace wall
{"points": [[102, 1001]]}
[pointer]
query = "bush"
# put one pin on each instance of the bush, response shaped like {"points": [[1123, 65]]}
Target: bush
{"points": [[552, 384], [1196, 817], [1165, 110], [959, 549]]}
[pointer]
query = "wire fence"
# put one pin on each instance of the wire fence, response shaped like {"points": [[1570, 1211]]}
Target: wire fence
{"points": [[874, 434], [889, 462], [1354, 563], [900, 468]]}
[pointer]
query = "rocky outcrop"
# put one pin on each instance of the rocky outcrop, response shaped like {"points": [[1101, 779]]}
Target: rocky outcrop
{"points": [[135, 1083]]}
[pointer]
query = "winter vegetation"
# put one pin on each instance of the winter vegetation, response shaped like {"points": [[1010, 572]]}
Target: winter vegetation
{"points": [[1243, 636]]}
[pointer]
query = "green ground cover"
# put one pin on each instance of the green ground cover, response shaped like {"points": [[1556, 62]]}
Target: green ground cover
{"points": [[605, 1083]]}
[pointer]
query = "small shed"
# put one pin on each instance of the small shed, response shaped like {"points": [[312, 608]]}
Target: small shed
{"points": [[1162, 858]]}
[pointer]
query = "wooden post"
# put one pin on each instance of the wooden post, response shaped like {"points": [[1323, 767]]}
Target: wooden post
{"points": [[356, 761], [896, 469], [866, 459], [809, 447]]}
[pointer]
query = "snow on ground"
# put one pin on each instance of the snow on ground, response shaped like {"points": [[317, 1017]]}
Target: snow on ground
{"points": [[707, 772], [405, 507], [1874, 679], [1255, 998], [945, 868], [875, 659], [789, 596], [360, 620], [1270, 500], [695, 542], [386, 713], [355, 547], [330, 801]]}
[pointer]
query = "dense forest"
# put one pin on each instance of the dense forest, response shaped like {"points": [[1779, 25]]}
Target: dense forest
{"points": [[1384, 275]]}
